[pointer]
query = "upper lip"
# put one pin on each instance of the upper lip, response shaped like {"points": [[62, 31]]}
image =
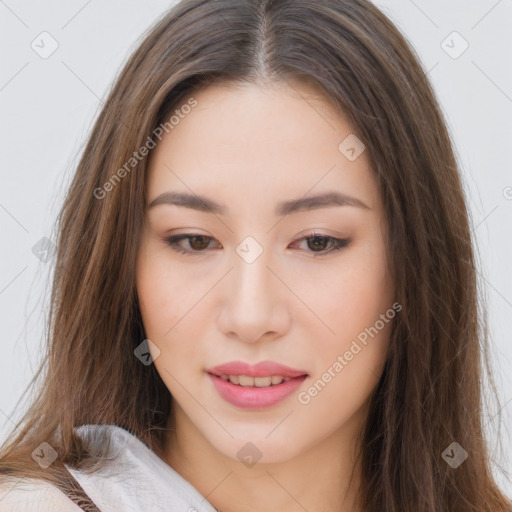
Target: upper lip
{"points": [[262, 369]]}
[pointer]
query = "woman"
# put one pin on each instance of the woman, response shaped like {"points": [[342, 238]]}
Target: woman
{"points": [[265, 293]]}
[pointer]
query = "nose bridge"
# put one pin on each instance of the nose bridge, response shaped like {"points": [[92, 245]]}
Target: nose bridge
{"points": [[251, 306], [251, 277]]}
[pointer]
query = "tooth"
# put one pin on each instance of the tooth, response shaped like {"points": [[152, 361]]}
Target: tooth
{"points": [[262, 382], [259, 382], [245, 380], [234, 379]]}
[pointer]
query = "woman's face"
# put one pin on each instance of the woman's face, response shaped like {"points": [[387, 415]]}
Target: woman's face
{"points": [[249, 286]]}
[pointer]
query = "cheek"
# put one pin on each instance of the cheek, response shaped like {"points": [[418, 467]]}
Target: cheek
{"points": [[349, 363], [158, 293], [356, 304], [160, 283], [354, 296], [169, 310]]}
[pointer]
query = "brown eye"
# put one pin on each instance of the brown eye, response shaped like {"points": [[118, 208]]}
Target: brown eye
{"points": [[319, 244], [198, 243]]}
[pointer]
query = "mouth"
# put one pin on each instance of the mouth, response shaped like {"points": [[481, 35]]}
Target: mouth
{"points": [[255, 387]]}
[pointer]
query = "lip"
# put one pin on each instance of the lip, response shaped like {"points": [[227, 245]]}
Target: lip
{"points": [[253, 397], [262, 369]]}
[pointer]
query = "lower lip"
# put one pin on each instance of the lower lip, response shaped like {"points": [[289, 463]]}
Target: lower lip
{"points": [[253, 397]]}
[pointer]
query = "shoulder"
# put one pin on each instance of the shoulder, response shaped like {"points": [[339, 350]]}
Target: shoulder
{"points": [[29, 495]]}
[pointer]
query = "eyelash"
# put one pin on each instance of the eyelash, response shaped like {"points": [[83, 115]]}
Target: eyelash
{"points": [[336, 243]]}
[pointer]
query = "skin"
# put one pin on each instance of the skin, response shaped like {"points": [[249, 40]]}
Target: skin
{"points": [[249, 147]]}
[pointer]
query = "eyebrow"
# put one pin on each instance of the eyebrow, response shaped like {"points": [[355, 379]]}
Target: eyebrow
{"points": [[203, 204]]}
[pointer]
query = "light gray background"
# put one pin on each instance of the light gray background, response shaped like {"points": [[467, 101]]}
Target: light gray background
{"points": [[48, 105]]}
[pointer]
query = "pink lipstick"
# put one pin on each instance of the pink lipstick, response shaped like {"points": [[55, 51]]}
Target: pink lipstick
{"points": [[255, 387]]}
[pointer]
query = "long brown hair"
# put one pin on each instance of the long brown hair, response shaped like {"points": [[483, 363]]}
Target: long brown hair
{"points": [[429, 394]]}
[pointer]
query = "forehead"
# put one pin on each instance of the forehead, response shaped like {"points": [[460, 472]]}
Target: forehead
{"points": [[253, 143]]}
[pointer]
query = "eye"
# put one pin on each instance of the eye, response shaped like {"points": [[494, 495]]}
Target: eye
{"points": [[199, 243], [196, 241], [319, 242]]}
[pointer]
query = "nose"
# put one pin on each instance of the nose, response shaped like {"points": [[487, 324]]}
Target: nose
{"points": [[255, 305]]}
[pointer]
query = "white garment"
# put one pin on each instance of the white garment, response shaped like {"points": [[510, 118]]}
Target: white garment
{"points": [[137, 480]]}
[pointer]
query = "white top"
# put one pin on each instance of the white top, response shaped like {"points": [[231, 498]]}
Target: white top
{"points": [[138, 480]]}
